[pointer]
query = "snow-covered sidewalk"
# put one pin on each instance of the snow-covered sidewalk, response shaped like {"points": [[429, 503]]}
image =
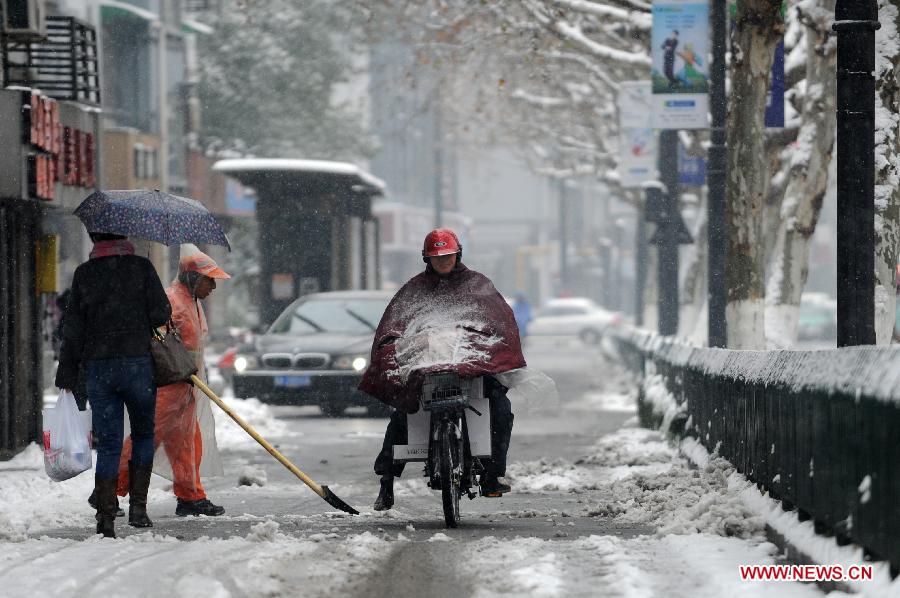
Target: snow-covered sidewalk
{"points": [[709, 522], [634, 516], [265, 561]]}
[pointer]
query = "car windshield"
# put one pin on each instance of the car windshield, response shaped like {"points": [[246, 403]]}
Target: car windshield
{"points": [[308, 316]]}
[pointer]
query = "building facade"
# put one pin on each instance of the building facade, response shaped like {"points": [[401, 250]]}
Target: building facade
{"points": [[94, 94]]}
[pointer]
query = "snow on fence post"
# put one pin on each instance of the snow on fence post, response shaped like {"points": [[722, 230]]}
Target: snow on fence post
{"points": [[815, 429]]}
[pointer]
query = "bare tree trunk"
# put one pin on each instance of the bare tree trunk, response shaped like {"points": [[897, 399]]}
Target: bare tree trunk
{"points": [[758, 29], [808, 179], [887, 167]]}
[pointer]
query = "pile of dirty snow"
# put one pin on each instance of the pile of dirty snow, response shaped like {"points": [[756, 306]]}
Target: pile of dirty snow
{"points": [[31, 502], [630, 447], [544, 475], [657, 395], [229, 435], [665, 490]]}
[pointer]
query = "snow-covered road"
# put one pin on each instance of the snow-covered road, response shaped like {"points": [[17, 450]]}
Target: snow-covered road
{"points": [[600, 508]]}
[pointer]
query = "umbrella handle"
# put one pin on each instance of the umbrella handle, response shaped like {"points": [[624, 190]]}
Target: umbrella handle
{"points": [[262, 441]]}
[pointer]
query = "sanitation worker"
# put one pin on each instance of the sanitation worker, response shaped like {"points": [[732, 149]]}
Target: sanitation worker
{"points": [[185, 429], [446, 295]]}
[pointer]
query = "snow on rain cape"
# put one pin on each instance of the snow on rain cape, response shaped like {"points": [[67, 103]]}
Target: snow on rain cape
{"points": [[182, 404], [432, 322]]}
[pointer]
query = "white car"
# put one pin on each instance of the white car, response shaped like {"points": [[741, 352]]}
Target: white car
{"points": [[575, 316]]}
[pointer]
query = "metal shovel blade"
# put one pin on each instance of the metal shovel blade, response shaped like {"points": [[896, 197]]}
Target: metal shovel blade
{"points": [[322, 491], [332, 499]]}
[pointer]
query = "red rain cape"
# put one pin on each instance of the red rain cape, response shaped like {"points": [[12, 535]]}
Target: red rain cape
{"points": [[429, 303]]}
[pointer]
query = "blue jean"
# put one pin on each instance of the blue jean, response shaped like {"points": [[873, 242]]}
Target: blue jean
{"points": [[111, 385]]}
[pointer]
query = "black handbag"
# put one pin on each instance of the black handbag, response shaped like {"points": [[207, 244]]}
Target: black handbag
{"points": [[172, 362]]}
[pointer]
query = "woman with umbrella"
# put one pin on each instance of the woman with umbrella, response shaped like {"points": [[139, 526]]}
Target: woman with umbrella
{"points": [[116, 300]]}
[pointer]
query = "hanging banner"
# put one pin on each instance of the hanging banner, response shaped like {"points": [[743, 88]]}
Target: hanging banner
{"points": [[774, 117], [637, 139], [691, 169], [680, 46], [775, 97]]}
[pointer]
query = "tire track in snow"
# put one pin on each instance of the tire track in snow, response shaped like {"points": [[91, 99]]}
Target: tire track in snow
{"points": [[417, 569], [43, 553], [71, 584]]}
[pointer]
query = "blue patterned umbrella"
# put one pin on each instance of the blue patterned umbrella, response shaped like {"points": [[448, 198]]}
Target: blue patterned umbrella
{"points": [[152, 215]]}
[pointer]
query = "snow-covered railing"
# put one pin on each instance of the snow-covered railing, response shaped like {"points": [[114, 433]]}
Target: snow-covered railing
{"points": [[818, 430]]}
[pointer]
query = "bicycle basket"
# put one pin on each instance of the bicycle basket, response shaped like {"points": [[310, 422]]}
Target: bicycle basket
{"points": [[446, 390]]}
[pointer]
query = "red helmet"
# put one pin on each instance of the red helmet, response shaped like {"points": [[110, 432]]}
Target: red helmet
{"points": [[441, 241]]}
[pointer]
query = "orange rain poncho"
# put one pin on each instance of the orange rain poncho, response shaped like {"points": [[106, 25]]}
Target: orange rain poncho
{"points": [[185, 434]]}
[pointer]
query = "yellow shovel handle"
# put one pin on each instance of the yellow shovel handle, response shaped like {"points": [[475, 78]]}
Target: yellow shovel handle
{"points": [[249, 429]]}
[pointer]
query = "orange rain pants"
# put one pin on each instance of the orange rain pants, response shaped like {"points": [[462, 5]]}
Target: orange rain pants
{"points": [[176, 426], [183, 443]]}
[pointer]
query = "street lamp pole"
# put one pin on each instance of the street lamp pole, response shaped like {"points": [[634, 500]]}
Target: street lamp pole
{"points": [[716, 177], [855, 24], [667, 235], [438, 166], [640, 265]]}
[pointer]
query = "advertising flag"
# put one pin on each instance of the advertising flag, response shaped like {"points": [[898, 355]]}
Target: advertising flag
{"points": [[774, 117], [637, 140], [775, 97], [691, 169], [680, 70]]}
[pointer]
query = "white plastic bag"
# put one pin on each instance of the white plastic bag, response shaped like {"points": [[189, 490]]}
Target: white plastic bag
{"points": [[67, 439], [534, 389]]}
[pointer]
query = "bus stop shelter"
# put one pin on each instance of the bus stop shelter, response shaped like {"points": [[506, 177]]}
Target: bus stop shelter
{"points": [[316, 229]]}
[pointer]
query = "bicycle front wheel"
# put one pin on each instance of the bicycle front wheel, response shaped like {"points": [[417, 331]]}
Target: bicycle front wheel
{"points": [[450, 475]]}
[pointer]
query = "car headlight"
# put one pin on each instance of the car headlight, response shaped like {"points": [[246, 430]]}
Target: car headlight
{"points": [[351, 362], [245, 362]]}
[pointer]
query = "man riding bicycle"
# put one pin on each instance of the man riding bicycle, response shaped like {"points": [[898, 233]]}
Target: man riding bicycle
{"points": [[446, 296]]}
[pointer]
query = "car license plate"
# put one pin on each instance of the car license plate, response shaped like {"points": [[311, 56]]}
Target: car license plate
{"points": [[292, 381]]}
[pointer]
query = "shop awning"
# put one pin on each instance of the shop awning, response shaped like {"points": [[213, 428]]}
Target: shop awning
{"points": [[191, 26], [114, 9], [250, 171]]}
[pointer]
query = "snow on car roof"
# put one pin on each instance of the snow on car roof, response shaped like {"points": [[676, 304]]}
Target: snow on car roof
{"points": [[357, 294], [562, 301]]}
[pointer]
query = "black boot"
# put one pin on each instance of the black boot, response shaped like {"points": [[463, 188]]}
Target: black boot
{"points": [[105, 495], [138, 484], [385, 498], [491, 486], [92, 500], [198, 507]]}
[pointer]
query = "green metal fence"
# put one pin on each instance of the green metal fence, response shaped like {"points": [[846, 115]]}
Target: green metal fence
{"points": [[819, 430]]}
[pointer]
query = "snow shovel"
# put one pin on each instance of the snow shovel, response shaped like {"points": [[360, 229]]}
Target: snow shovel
{"points": [[322, 491]]}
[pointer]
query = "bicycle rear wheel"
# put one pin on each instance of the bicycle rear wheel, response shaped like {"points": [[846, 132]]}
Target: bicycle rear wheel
{"points": [[450, 474]]}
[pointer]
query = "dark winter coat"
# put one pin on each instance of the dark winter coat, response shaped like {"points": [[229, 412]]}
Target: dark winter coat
{"points": [[463, 291], [114, 304]]}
